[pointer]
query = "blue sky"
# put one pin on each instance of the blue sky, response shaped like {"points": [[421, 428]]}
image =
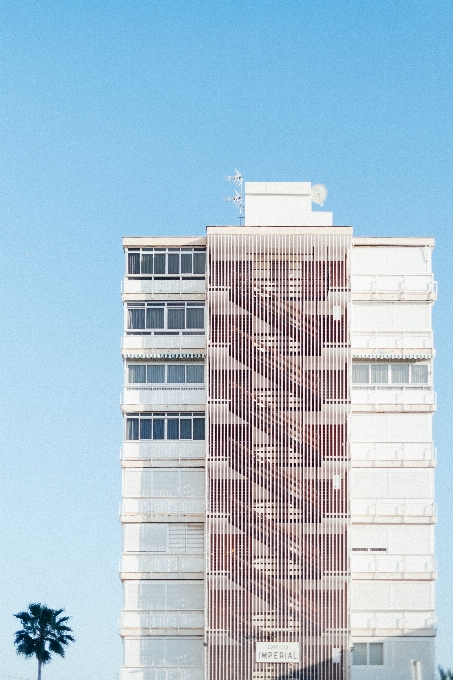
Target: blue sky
{"points": [[122, 118]]}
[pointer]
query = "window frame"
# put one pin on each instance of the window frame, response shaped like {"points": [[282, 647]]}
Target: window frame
{"points": [[172, 259], [150, 421], [147, 306], [368, 645], [390, 383], [166, 366]]}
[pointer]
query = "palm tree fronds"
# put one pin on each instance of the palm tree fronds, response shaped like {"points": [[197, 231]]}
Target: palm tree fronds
{"points": [[43, 633]]}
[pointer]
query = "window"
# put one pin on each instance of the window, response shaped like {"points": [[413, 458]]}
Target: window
{"points": [[360, 373], [169, 426], [165, 318], [379, 373], [165, 373], [157, 262], [401, 373], [368, 654], [419, 374]]}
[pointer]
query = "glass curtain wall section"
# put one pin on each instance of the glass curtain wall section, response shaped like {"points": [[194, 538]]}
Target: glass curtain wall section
{"points": [[278, 401]]}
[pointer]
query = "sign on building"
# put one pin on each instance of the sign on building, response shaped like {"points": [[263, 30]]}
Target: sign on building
{"points": [[277, 652]]}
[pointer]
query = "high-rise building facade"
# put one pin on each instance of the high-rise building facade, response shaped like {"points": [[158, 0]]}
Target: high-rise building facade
{"points": [[278, 463]]}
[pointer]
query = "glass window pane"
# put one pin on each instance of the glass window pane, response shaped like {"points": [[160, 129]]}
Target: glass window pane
{"points": [[360, 373], [176, 318], [176, 374], [199, 263], [132, 428], [186, 263], [376, 654], [172, 428], [159, 264], [147, 263], [133, 263], [156, 373], [379, 373], [136, 318], [155, 317], [186, 429], [137, 373], [359, 654], [400, 373], [145, 428], [198, 428], [173, 263], [419, 374], [195, 373], [195, 317], [158, 429]]}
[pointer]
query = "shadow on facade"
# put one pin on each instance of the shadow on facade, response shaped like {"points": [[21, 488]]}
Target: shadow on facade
{"points": [[327, 670], [409, 657]]}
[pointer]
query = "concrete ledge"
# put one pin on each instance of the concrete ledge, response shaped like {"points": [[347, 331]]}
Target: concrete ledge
{"points": [[410, 241], [171, 241], [393, 576], [392, 632], [137, 518], [163, 463], [163, 575]]}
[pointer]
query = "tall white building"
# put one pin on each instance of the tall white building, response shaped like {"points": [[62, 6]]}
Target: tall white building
{"points": [[278, 499]]}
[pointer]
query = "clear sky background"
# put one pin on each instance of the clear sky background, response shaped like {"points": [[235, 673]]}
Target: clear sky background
{"points": [[122, 118]]}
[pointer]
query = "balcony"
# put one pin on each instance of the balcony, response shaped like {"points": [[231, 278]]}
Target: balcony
{"points": [[390, 623], [393, 399], [164, 342], [389, 340], [397, 511], [164, 395], [394, 567], [168, 509], [162, 566], [396, 287], [162, 622], [180, 452], [395, 454], [179, 285]]}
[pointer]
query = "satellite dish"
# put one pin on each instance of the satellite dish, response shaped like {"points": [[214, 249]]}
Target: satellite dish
{"points": [[318, 193]]}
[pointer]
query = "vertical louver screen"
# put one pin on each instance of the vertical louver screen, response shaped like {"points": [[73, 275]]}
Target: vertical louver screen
{"points": [[278, 361]]}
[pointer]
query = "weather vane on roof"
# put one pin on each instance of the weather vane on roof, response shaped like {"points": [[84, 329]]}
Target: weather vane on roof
{"points": [[238, 198]]}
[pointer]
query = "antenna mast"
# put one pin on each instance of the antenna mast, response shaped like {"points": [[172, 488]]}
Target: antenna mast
{"points": [[238, 198]]}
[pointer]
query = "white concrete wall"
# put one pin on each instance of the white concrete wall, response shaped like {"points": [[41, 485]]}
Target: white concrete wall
{"points": [[165, 395], [393, 458], [169, 452], [163, 508], [168, 658], [399, 655]]}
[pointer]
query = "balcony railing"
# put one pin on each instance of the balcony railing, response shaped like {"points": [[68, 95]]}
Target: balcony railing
{"points": [[398, 451], [382, 340], [396, 564], [394, 511], [393, 619], [409, 286], [391, 394]]}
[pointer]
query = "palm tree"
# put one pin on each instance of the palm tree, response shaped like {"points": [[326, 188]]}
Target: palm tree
{"points": [[43, 633], [445, 675]]}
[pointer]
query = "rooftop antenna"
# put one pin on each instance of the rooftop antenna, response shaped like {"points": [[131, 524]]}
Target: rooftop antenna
{"points": [[238, 198]]}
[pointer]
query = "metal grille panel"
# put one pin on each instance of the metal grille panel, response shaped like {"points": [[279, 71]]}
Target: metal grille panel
{"points": [[277, 499]]}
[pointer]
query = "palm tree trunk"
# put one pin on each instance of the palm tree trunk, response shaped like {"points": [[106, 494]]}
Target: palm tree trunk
{"points": [[39, 669]]}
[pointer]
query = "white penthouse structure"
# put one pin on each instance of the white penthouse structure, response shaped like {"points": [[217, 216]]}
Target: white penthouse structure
{"points": [[278, 464]]}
